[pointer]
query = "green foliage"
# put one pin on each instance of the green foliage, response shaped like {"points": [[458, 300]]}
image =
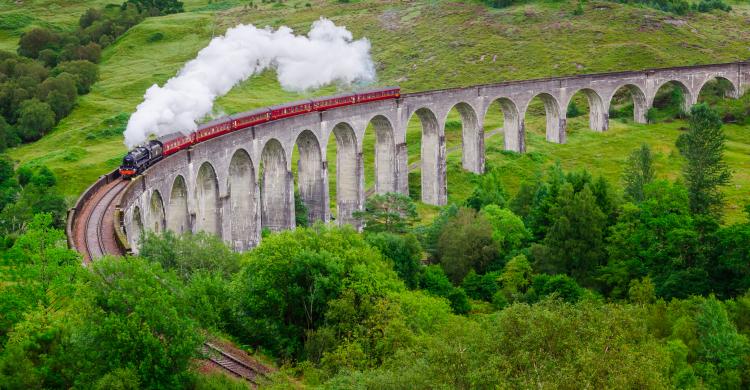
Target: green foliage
{"points": [[131, 306], [38, 266], [515, 279], [404, 251], [573, 110], [33, 191], [575, 242], [85, 73], [35, 118], [488, 191], [189, 253], [158, 7], [705, 171], [508, 229], [556, 286], [638, 173], [429, 235], [548, 345], [436, 282], [300, 211], [287, 282], [481, 287], [466, 243], [391, 212]]}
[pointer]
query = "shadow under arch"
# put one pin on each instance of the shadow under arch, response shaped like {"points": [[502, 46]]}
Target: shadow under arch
{"points": [[157, 218], [472, 138], [275, 190], [514, 137], [385, 155], [555, 120], [638, 97], [724, 85], [178, 219], [432, 152], [207, 200], [349, 173], [598, 113], [243, 205], [310, 171]]}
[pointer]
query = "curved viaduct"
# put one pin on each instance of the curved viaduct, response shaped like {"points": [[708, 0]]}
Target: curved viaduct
{"points": [[239, 183]]}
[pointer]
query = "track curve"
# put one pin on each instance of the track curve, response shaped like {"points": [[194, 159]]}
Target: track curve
{"points": [[91, 231]]}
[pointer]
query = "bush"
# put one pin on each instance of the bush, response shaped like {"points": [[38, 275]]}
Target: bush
{"points": [[34, 120], [405, 252]]}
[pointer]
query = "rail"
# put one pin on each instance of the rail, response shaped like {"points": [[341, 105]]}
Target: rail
{"points": [[72, 216]]}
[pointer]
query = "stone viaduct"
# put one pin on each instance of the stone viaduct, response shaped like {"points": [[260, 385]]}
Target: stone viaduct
{"points": [[237, 184]]}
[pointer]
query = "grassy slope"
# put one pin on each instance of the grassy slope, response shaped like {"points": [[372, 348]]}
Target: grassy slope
{"points": [[418, 45]]}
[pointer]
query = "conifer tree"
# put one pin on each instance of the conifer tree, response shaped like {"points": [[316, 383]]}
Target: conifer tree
{"points": [[705, 170]]}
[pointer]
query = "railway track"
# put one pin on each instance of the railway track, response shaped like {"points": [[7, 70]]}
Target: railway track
{"points": [[98, 217], [232, 364], [92, 233]]}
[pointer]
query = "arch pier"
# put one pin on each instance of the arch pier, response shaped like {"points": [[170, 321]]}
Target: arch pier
{"points": [[242, 182]]}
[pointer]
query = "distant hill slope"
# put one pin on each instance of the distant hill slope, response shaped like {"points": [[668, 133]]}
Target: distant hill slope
{"points": [[418, 45]]}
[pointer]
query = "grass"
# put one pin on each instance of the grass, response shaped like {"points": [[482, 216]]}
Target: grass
{"points": [[470, 44]]}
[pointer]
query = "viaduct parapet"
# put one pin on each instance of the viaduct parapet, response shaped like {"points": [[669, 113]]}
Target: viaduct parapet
{"points": [[237, 184]]}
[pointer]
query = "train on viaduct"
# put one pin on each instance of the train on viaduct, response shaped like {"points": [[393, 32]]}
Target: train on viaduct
{"points": [[239, 183]]}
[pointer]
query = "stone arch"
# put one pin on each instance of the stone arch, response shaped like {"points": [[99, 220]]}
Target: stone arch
{"points": [[688, 100], [276, 192], [310, 170], [385, 155], [598, 112], [137, 226], [349, 173], [555, 118], [157, 219], [178, 219], [243, 205], [732, 92], [513, 124], [207, 210], [640, 103], [433, 179], [472, 138]]}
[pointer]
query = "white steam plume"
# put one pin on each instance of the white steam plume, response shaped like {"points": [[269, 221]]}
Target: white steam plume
{"points": [[325, 55]]}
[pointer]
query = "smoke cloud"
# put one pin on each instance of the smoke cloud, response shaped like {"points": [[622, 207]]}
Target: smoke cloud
{"points": [[327, 54]]}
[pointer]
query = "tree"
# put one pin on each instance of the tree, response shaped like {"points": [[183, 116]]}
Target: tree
{"points": [[574, 244], [129, 315], [705, 170], [161, 7], [190, 253], [515, 278], [487, 190], [508, 230], [639, 172], [85, 72], [390, 212], [286, 284], [466, 243], [36, 40], [60, 93], [560, 286], [34, 120], [405, 252], [436, 282], [38, 267]]}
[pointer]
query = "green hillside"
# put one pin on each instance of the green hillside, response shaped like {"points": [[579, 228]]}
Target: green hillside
{"points": [[471, 44]]}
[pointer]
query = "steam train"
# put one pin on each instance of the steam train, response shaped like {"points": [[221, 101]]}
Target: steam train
{"points": [[143, 156]]}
